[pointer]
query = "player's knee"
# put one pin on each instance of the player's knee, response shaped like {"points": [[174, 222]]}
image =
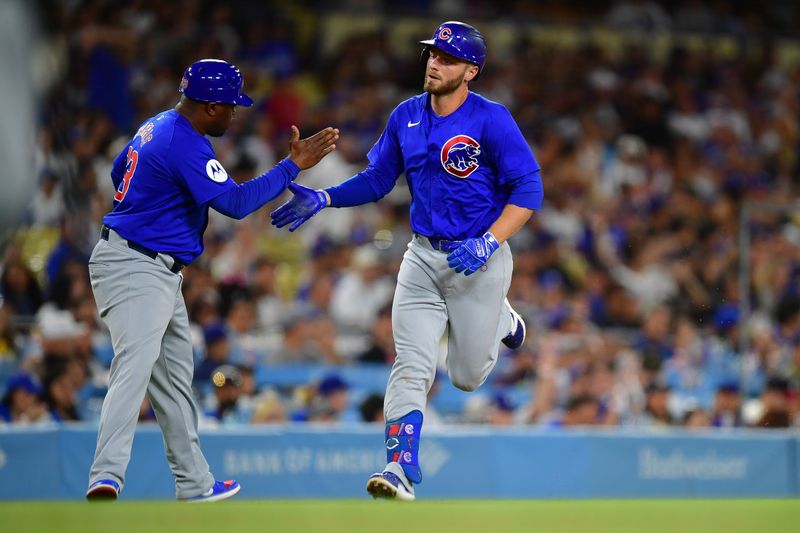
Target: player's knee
{"points": [[466, 381], [467, 386]]}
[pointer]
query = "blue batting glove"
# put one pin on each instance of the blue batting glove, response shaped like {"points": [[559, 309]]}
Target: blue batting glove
{"points": [[473, 254], [304, 204]]}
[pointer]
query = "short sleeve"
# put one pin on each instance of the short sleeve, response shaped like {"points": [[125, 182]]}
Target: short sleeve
{"points": [[194, 161]]}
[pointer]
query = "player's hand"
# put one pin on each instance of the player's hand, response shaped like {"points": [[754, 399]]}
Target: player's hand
{"points": [[473, 254], [304, 204], [308, 152]]}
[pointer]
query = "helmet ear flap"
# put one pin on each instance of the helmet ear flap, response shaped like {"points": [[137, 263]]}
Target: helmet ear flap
{"points": [[423, 56]]}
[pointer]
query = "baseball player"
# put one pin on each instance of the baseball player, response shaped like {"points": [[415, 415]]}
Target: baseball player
{"points": [[167, 177], [474, 182]]}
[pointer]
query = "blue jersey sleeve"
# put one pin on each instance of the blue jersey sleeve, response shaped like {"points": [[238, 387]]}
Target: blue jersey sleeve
{"points": [[516, 165], [194, 162], [253, 194], [386, 156], [380, 177], [118, 168]]}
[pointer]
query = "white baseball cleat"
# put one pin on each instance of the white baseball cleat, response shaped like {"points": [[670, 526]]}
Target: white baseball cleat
{"points": [[390, 486]]}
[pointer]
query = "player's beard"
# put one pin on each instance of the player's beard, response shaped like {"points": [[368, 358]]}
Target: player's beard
{"points": [[446, 87]]}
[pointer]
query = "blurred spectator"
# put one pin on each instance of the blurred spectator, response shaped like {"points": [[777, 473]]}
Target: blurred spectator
{"points": [[581, 410], [8, 338], [501, 412], [270, 307], [695, 16], [246, 345], [657, 412], [382, 341], [295, 346], [644, 16], [22, 403], [323, 335], [628, 168], [248, 385], [316, 299], [268, 408], [63, 377], [20, 290], [331, 401], [285, 105], [696, 419], [655, 345], [217, 352], [515, 366], [727, 407], [371, 409], [227, 389], [775, 406], [47, 205], [362, 292], [64, 323], [68, 249]]}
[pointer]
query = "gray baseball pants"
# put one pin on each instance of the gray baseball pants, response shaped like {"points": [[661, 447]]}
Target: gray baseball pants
{"points": [[431, 297], [140, 301]]}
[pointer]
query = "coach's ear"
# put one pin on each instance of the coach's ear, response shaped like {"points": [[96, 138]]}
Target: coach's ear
{"points": [[211, 109]]}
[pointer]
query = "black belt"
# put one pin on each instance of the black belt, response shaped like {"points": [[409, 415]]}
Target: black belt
{"points": [[176, 267], [442, 245]]}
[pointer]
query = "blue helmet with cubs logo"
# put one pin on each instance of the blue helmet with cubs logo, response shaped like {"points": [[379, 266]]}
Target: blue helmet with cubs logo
{"points": [[460, 40], [214, 80]]}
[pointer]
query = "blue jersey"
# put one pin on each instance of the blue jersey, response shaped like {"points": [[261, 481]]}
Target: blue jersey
{"points": [[462, 169], [165, 177]]}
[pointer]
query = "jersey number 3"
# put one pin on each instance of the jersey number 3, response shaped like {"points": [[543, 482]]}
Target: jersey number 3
{"points": [[130, 168]]}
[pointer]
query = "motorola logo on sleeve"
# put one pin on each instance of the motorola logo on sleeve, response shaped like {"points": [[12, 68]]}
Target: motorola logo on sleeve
{"points": [[215, 171]]}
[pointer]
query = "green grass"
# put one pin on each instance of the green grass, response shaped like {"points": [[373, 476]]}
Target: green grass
{"points": [[463, 516]]}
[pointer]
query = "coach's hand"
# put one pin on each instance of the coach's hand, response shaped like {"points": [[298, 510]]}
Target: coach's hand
{"points": [[304, 204], [308, 152], [473, 254]]}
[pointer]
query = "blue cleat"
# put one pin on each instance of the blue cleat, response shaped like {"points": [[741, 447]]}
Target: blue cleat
{"points": [[390, 486], [222, 490], [517, 336], [105, 490]]}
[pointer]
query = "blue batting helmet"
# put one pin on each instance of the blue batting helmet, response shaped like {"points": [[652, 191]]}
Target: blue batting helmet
{"points": [[214, 80], [459, 40]]}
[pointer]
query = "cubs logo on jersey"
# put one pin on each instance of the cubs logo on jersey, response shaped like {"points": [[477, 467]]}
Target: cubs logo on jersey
{"points": [[460, 155]]}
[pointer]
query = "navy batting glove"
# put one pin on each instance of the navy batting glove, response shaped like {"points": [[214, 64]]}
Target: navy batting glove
{"points": [[304, 204], [473, 254]]}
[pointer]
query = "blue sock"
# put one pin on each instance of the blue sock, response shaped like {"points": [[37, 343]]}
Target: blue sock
{"points": [[402, 444]]}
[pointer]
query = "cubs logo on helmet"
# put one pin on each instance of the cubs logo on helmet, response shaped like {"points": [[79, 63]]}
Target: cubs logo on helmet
{"points": [[460, 155], [459, 40]]}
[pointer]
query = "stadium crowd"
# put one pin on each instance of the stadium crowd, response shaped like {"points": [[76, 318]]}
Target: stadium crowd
{"points": [[628, 278]]}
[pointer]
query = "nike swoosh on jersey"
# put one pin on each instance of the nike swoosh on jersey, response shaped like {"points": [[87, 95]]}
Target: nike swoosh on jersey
{"points": [[412, 124]]}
